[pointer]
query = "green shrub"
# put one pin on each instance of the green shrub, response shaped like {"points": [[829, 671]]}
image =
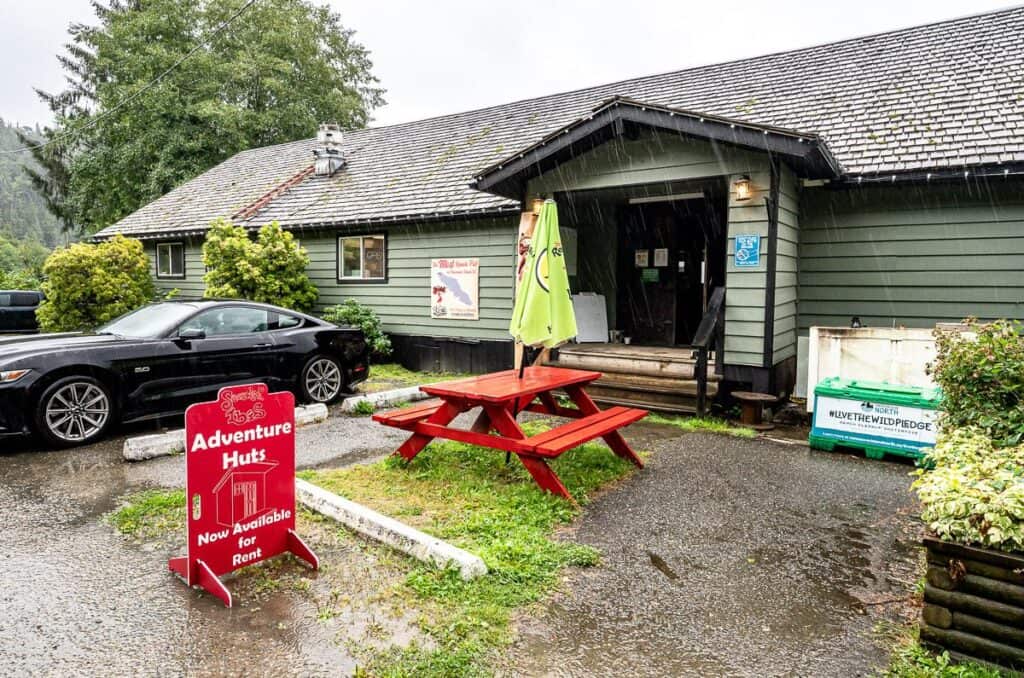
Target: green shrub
{"points": [[355, 314], [363, 408], [89, 284], [270, 269], [19, 280], [21, 263], [975, 493], [982, 379]]}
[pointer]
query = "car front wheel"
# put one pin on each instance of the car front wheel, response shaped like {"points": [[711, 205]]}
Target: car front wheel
{"points": [[74, 411], [322, 380]]}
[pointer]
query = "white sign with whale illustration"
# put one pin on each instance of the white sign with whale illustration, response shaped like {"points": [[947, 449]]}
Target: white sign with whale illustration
{"points": [[455, 289]]}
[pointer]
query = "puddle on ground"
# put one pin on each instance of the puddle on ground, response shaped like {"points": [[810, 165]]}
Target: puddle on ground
{"points": [[659, 563], [80, 599]]}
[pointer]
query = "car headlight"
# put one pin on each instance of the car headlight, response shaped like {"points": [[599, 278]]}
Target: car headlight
{"points": [[12, 375]]}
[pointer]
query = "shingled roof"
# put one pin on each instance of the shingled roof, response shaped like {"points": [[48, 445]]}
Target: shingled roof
{"points": [[947, 95]]}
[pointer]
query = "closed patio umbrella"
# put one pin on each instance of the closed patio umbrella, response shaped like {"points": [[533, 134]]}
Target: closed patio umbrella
{"points": [[543, 315]]}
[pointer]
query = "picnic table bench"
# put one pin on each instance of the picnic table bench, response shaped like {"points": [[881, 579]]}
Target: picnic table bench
{"points": [[502, 396]]}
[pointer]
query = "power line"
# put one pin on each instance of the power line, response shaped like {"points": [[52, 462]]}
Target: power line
{"points": [[152, 83]]}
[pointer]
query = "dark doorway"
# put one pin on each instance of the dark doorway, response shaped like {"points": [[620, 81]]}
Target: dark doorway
{"points": [[671, 256]]}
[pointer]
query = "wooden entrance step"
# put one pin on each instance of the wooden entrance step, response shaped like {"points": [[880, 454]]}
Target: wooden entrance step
{"points": [[675, 362], [674, 398], [651, 377]]}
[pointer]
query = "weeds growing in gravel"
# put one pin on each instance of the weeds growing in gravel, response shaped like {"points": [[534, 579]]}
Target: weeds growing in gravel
{"points": [[151, 513]]}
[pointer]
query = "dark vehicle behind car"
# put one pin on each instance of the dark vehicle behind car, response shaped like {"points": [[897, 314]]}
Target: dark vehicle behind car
{"points": [[154, 362], [18, 311]]}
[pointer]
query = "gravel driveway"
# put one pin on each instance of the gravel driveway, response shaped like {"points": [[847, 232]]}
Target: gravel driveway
{"points": [[723, 557], [731, 557]]}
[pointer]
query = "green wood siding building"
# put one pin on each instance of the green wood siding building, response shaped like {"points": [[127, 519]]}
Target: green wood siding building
{"points": [[912, 257], [872, 192]]}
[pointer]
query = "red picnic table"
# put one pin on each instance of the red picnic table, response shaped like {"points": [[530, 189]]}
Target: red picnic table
{"points": [[502, 396]]}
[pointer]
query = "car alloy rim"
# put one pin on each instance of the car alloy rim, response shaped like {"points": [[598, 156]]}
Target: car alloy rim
{"points": [[323, 379], [77, 411]]}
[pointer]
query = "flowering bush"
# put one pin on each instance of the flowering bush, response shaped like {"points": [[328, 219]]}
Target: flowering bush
{"points": [[975, 493], [270, 269], [90, 284], [981, 373]]}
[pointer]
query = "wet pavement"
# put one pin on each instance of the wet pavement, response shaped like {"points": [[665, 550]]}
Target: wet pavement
{"points": [[731, 557], [77, 598], [723, 557]]}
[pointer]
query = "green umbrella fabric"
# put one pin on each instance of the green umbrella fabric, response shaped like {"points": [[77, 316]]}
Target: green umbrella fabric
{"points": [[543, 313]]}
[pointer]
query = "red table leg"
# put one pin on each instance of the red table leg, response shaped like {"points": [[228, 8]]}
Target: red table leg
{"points": [[417, 441], [614, 439], [503, 420], [545, 477]]}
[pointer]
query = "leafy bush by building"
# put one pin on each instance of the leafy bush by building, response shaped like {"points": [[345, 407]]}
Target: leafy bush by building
{"points": [[975, 492], [89, 284], [355, 314], [982, 379], [270, 269], [21, 263]]}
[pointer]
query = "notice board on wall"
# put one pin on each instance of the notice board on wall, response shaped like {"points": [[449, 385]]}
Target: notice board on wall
{"points": [[455, 289]]}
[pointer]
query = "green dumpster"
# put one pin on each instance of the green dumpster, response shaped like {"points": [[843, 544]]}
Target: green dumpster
{"points": [[874, 417]]}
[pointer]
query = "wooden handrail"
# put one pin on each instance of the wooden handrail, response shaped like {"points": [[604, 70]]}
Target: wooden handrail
{"points": [[709, 336]]}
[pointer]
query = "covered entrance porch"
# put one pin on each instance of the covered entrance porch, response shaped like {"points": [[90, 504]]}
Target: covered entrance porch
{"points": [[685, 226], [654, 254]]}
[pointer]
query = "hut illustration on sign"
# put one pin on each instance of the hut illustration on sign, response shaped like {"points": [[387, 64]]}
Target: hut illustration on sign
{"points": [[242, 492]]}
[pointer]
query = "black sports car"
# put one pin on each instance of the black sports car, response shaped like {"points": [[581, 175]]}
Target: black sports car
{"points": [[156, 361]]}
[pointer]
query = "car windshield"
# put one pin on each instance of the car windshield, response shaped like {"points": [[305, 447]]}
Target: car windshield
{"points": [[148, 322]]}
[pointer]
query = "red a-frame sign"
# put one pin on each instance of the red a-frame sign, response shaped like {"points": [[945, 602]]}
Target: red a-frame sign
{"points": [[240, 485]]}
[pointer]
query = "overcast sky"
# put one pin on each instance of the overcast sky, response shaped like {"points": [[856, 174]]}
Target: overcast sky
{"points": [[444, 56]]}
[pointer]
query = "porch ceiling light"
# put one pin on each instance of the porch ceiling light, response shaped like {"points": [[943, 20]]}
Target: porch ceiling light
{"points": [[743, 188]]}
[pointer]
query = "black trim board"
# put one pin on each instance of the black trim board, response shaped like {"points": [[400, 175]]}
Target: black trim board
{"points": [[778, 379], [771, 263], [452, 354]]}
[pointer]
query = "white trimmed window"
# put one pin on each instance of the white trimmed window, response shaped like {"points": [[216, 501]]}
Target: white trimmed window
{"points": [[362, 257], [170, 260]]}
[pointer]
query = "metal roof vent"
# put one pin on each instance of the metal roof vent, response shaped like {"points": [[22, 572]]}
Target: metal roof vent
{"points": [[329, 158]]}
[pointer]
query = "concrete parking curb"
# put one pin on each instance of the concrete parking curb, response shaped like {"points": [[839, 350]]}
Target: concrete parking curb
{"points": [[385, 398], [141, 448], [379, 527]]}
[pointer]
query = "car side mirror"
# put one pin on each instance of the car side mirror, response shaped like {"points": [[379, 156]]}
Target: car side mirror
{"points": [[191, 334]]}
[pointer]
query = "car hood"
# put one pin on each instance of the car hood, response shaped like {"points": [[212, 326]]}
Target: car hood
{"points": [[13, 349]]}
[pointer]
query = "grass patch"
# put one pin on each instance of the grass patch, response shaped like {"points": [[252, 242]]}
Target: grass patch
{"points": [[704, 424], [468, 496], [363, 408], [151, 513], [392, 375], [911, 660]]}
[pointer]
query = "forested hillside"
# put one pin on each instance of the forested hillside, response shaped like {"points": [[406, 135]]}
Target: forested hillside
{"points": [[23, 213]]}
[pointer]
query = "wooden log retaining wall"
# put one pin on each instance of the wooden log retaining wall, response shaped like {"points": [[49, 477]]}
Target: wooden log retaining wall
{"points": [[974, 603]]}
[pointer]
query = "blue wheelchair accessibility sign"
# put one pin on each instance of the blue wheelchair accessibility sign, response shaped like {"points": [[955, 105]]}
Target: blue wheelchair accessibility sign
{"points": [[748, 251]]}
